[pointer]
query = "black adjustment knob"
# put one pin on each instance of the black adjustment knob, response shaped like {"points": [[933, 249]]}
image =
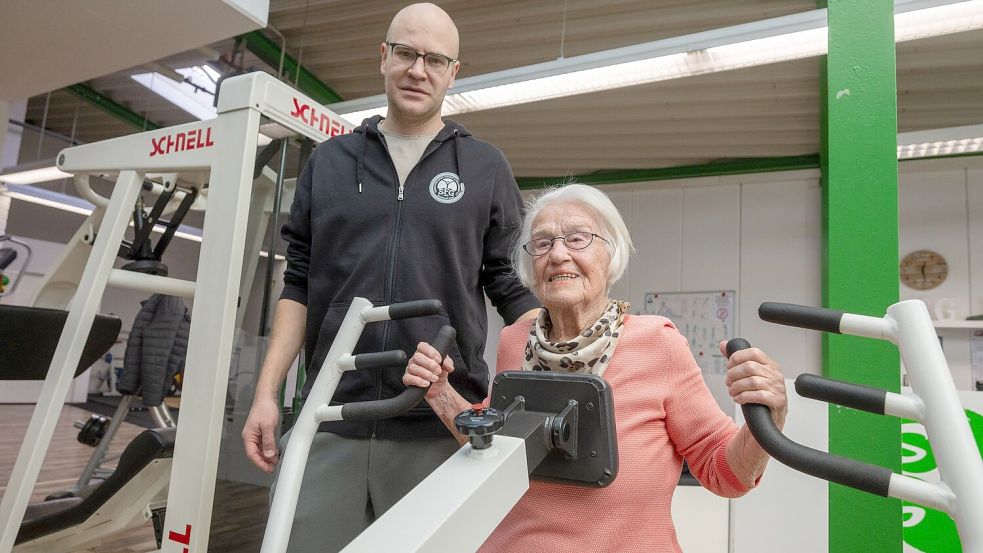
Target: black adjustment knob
{"points": [[479, 424]]}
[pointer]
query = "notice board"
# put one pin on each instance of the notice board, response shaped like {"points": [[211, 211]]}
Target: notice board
{"points": [[704, 318]]}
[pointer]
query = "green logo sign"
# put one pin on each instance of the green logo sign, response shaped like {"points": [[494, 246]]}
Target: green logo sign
{"points": [[927, 530]]}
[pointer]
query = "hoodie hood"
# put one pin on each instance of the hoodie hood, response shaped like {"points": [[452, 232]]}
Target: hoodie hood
{"points": [[452, 130]]}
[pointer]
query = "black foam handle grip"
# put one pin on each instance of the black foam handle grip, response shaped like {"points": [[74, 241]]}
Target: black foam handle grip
{"points": [[411, 396], [380, 360], [846, 394], [735, 345], [802, 316], [847, 472], [418, 308]]}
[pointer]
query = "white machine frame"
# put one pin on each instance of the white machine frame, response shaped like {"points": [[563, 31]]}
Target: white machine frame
{"points": [[221, 152], [454, 509], [934, 403], [458, 505]]}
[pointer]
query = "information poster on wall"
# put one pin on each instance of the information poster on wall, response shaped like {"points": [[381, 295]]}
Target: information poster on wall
{"points": [[704, 318]]}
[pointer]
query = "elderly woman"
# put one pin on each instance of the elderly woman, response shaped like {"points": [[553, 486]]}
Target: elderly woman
{"points": [[573, 247]]}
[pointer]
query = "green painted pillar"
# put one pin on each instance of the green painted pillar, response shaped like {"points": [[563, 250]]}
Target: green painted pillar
{"points": [[860, 232]]}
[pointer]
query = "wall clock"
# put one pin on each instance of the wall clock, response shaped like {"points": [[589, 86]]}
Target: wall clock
{"points": [[923, 270]]}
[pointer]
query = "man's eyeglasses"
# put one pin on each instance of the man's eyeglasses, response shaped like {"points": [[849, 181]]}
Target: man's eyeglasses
{"points": [[434, 63], [573, 241]]}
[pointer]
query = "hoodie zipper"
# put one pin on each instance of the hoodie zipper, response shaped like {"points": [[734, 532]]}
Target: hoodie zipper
{"points": [[391, 262]]}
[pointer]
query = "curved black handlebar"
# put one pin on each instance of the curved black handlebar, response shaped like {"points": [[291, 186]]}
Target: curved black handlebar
{"points": [[380, 360], [854, 396], [411, 396], [802, 316], [417, 308], [848, 472]]}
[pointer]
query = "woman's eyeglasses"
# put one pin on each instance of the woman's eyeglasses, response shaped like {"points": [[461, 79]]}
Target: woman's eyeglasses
{"points": [[573, 241]]}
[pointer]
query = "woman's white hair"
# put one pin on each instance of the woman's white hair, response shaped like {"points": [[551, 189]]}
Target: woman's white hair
{"points": [[613, 228]]}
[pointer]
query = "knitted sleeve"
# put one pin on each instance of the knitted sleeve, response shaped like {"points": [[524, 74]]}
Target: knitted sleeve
{"points": [[699, 430]]}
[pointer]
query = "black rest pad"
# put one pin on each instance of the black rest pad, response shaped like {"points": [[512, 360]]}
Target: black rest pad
{"points": [[29, 336], [548, 392], [148, 446]]}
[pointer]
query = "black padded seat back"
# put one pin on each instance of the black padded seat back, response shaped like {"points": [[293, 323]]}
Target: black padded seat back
{"points": [[144, 449], [50, 507], [29, 336]]}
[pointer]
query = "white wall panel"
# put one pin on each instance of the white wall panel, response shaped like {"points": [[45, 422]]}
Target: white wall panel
{"points": [[656, 229], [932, 212], [974, 249], [623, 201], [781, 241], [711, 238], [932, 216], [710, 252]]}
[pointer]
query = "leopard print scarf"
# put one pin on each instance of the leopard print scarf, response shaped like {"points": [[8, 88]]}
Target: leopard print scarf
{"points": [[588, 353]]}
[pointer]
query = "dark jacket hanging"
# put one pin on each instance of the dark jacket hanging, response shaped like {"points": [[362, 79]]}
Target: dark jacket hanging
{"points": [[156, 348]]}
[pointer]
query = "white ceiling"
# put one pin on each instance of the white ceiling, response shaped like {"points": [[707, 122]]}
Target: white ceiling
{"points": [[765, 111], [48, 45]]}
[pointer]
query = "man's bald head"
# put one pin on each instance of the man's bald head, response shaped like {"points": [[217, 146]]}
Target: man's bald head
{"points": [[425, 18]]}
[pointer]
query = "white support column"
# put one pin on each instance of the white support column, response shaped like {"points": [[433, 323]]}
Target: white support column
{"points": [[259, 214], [190, 496], [66, 357], [4, 210], [945, 420]]}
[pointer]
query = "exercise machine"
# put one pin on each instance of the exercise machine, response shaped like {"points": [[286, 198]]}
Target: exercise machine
{"points": [[933, 402], [7, 257], [551, 426], [215, 160]]}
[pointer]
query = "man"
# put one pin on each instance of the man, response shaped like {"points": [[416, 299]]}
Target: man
{"points": [[404, 208]]}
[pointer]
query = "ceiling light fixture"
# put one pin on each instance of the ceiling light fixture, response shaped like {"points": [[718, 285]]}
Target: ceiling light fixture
{"points": [[790, 37], [32, 173], [195, 95], [941, 142], [74, 204]]}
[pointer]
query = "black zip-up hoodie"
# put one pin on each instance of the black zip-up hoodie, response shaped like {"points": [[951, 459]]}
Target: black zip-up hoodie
{"points": [[447, 238]]}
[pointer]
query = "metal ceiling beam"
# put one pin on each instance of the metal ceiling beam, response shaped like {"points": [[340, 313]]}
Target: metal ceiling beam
{"points": [[265, 49], [732, 167], [112, 107], [716, 169]]}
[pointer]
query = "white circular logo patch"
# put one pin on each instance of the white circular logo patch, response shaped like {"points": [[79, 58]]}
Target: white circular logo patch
{"points": [[446, 188]]}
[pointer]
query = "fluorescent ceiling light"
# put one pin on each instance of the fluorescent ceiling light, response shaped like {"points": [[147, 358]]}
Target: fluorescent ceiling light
{"points": [[32, 173], [786, 38], [74, 204], [942, 19], [195, 95], [48, 198], [941, 142]]}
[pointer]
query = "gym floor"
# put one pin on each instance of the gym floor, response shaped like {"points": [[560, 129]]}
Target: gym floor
{"points": [[236, 527]]}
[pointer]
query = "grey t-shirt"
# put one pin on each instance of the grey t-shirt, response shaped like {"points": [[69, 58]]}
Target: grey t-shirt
{"points": [[406, 150]]}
